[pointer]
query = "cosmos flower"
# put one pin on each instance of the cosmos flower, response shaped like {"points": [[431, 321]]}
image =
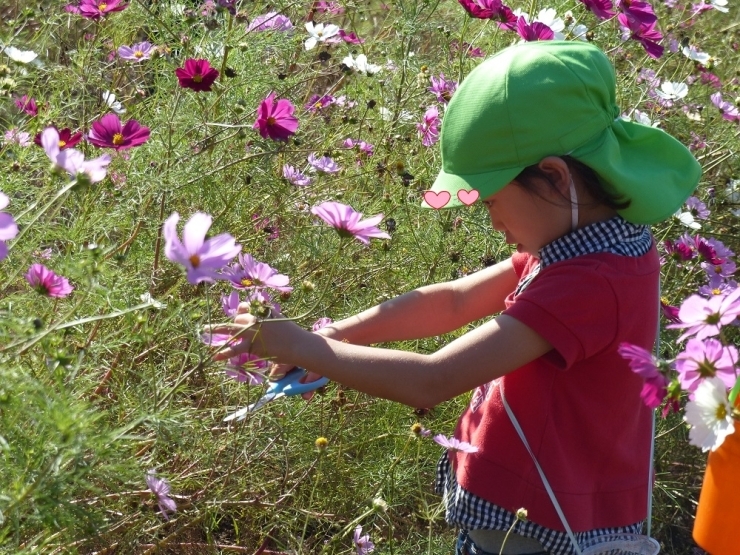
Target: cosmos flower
{"points": [[603, 9], [640, 12], [706, 359], [202, 258], [349, 223], [110, 100], [270, 21], [249, 273], [350, 38], [710, 415], [534, 32], [21, 138], [454, 444], [27, 105], [442, 88], [230, 303], [95, 9], [428, 128], [324, 164], [360, 65], [8, 227], [20, 56], [705, 317], [319, 33], [362, 543], [295, 177], [47, 282], [246, 368], [317, 103], [275, 120], [197, 75], [67, 139], [108, 132], [73, 161], [645, 34], [161, 490], [321, 323], [728, 110], [136, 52], [642, 363], [672, 91]]}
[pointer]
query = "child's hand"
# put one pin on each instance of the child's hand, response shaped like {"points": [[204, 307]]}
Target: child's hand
{"points": [[277, 371]]}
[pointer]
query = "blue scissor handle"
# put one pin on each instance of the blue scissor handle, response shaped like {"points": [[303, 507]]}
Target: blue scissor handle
{"points": [[290, 384]]}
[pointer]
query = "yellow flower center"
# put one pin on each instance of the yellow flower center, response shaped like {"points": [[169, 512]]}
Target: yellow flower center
{"points": [[716, 291], [195, 260], [62, 143], [102, 6], [197, 78], [246, 282], [117, 139], [138, 54], [721, 412]]}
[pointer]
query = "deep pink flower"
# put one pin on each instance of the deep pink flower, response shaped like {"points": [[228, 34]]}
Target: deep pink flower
{"points": [[640, 12], [317, 103], [454, 444], [534, 32], [202, 258], [603, 9], [350, 38], [67, 139], [706, 359], [161, 490], [246, 368], [108, 132], [670, 312], [705, 317], [197, 75], [27, 105], [442, 88], [8, 227], [468, 48], [328, 7], [643, 364], [275, 120], [349, 223], [47, 282], [645, 34], [136, 52], [249, 273], [94, 9], [428, 128]]}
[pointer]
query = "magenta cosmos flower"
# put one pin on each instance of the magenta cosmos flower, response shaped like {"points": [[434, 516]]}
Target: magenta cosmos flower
{"points": [[108, 132], [197, 75], [603, 9], [95, 9], [705, 317], [429, 127], [8, 227], [349, 223], [202, 258], [706, 359], [275, 119], [47, 282], [454, 444], [250, 273], [136, 52], [27, 105], [642, 363], [161, 490], [66, 139], [534, 32]]}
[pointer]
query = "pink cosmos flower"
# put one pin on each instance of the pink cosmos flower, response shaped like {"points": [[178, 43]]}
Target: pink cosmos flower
{"points": [[108, 132], [15, 135], [350, 38], [246, 368], [275, 120], [428, 128], [27, 105], [249, 273], [161, 490], [202, 258], [47, 282], [643, 363], [705, 317], [728, 110], [349, 223], [317, 103], [136, 52], [94, 9], [230, 303], [697, 208], [442, 88], [328, 7], [270, 21], [362, 543], [197, 75], [454, 444], [706, 359], [670, 312], [534, 32], [603, 9], [324, 164], [8, 227], [67, 139], [295, 177], [645, 34], [640, 12], [321, 323], [73, 161]]}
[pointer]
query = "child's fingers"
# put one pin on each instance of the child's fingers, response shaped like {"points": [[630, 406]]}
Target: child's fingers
{"points": [[277, 371]]}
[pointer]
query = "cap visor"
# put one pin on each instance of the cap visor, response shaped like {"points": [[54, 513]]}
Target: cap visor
{"points": [[460, 187]]}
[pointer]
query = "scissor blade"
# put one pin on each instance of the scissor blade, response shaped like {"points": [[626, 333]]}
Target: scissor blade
{"points": [[241, 414]]}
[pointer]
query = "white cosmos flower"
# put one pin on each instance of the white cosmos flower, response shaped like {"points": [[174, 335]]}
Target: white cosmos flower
{"points": [[549, 17], [20, 56], [672, 91], [110, 99], [693, 54], [709, 415], [361, 65], [687, 219], [403, 117], [643, 118], [319, 33], [720, 5]]}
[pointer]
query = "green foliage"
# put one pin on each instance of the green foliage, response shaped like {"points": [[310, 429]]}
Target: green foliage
{"points": [[98, 388]]}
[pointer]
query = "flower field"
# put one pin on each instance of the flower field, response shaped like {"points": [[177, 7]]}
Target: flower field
{"points": [[164, 161]]}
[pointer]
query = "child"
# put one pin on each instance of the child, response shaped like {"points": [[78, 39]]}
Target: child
{"points": [[536, 132]]}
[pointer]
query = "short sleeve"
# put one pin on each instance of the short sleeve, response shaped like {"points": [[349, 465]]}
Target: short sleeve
{"points": [[571, 306], [520, 262]]}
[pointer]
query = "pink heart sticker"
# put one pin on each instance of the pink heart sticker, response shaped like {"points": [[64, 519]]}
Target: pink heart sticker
{"points": [[468, 197], [437, 200]]}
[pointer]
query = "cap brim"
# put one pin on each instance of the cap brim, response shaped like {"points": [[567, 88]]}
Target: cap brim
{"points": [[461, 187]]}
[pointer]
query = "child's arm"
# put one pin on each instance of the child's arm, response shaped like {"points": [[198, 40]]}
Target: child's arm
{"points": [[430, 310]]}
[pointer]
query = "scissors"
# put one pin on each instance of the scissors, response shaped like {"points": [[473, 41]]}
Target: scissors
{"points": [[286, 386]]}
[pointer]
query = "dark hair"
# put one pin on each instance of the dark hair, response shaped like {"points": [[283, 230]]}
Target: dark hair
{"points": [[588, 177]]}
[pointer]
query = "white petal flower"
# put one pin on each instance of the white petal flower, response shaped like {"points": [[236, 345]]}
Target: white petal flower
{"points": [[687, 219], [693, 54], [549, 17], [110, 99], [672, 91], [361, 65], [20, 56], [709, 415], [720, 5], [319, 33]]}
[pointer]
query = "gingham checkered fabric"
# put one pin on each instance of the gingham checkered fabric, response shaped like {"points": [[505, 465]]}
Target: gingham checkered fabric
{"points": [[470, 512]]}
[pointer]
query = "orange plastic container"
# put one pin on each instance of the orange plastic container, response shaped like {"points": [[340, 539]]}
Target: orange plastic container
{"points": [[717, 524]]}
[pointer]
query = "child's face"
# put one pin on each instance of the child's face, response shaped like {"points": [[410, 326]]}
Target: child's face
{"points": [[528, 220]]}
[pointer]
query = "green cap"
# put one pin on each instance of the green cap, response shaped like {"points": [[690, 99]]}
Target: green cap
{"points": [[557, 98]]}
